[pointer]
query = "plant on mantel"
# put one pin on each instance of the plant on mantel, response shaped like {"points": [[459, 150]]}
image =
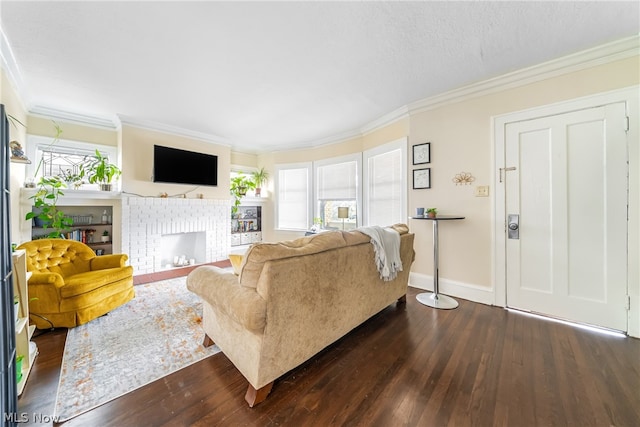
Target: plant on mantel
{"points": [[45, 200], [260, 178], [101, 171]]}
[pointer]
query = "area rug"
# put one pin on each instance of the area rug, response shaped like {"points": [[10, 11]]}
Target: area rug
{"points": [[152, 336]]}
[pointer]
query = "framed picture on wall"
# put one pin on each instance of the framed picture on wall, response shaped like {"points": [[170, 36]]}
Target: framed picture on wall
{"points": [[421, 178], [422, 153]]}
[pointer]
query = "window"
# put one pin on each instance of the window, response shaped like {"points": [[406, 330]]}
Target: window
{"points": [[337, 186], [385, 183], [62, 158], [376, 179], [294, 196]]}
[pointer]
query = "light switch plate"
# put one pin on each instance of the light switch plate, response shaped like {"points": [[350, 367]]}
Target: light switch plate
{"points": [[482, 191]]}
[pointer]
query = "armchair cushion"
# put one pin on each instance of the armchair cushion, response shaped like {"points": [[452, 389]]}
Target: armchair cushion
{"points": [[92, 280]]}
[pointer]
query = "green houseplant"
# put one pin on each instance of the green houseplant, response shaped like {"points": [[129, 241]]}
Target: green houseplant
{"points": [[432, 212], [260, 178], [240, 184], [101, 171], [45, 206]]}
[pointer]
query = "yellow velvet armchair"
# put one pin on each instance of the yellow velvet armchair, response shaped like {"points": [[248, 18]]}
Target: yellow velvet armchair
{"points": [[70, 285]]}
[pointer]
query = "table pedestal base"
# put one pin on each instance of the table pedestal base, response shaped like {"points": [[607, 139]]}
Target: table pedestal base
{"points": [[437, 300]]}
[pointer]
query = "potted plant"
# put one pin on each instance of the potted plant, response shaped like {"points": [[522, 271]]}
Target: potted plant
{"points": [[19, 360], [240, 184], [260, 178], [101, 171], [105, 236], [72, 179], [432, 212], [45, 203]]}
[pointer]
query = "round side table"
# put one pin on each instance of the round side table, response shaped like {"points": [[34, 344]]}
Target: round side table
{"points": [[435, 299]]}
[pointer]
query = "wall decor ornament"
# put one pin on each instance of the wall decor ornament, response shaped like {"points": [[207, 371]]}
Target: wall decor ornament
{"points": [[421, 178], [463, 178], [422, 153]]}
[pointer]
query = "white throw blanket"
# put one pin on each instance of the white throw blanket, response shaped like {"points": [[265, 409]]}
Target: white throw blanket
{"points": [[386, 243]]}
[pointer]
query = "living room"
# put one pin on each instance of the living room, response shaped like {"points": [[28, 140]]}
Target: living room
{"points": [[461, 125]]}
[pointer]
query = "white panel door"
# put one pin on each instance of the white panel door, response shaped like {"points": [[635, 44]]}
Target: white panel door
{"points": [[569, 188]]}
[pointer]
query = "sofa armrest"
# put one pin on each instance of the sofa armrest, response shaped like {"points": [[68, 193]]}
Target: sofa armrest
{"points": [[108, 261], [223, 292], [44, 292]]}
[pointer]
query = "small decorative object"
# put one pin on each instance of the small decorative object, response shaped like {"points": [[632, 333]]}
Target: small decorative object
{"points": [[432, 212], [163, 195], [17, 153], [463, 178], [422, 153], [421, 178], [30, 182], [343, 212], [16, 309], [105, 217], [419, 212], [89, 232], [317, 224], [105, 236]]}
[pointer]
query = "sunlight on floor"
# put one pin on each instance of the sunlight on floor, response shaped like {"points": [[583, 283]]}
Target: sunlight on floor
{"points": [[604, 331]]}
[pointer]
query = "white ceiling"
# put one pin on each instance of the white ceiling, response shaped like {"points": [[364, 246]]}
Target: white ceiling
{"points": [[262, 76]]}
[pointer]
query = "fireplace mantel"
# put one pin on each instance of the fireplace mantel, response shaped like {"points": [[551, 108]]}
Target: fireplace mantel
{"points": [[139, 222]]}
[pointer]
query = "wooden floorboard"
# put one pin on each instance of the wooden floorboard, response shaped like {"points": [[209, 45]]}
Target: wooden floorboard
{"points": [[409, 365]]}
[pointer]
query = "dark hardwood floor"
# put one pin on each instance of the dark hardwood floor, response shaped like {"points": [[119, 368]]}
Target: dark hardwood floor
{"points": [[409, 365]]}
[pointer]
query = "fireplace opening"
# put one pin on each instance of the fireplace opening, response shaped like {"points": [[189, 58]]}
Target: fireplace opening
{"points": [[182, 249]]}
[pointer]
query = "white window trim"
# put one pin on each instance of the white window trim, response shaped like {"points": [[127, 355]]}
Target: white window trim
{"points": [[35, 143], [380, 149]]}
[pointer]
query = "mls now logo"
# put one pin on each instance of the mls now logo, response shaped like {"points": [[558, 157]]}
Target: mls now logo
{"points": [[23, 417]]}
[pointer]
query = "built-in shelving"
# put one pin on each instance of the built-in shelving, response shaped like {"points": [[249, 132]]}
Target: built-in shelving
{"points": [[246, 226], [24, 331], [89, 225]]}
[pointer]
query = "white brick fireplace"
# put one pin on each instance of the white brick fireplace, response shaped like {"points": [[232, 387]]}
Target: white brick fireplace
{"points": [[145, 220]]}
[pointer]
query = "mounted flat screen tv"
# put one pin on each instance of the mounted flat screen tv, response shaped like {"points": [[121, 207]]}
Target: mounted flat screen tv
{"points": [[175, 166]]}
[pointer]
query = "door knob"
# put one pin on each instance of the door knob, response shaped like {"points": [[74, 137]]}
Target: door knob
{"points": [[513, 223]]}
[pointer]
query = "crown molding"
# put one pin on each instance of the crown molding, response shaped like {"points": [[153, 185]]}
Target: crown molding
{"points": [[387, 119], [173, 130], [109, 123], [10, 65], [599, 55]]}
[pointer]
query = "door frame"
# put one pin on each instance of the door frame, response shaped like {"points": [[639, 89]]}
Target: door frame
{"points": [[630, 96]]}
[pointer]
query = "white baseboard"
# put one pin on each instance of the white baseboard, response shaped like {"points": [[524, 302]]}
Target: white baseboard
{"points": [[467, 291]]}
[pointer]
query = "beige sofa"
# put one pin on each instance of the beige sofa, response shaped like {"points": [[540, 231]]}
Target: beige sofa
{"points": [[292, 299]]}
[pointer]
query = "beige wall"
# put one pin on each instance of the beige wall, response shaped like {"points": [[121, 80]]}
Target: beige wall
{"points": [[14, 107], [137, 164], [461, 139], [70, 131]]}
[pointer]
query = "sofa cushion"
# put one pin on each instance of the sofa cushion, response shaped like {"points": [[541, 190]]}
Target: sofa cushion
{"points": [[91, 280], [260, 253]]}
